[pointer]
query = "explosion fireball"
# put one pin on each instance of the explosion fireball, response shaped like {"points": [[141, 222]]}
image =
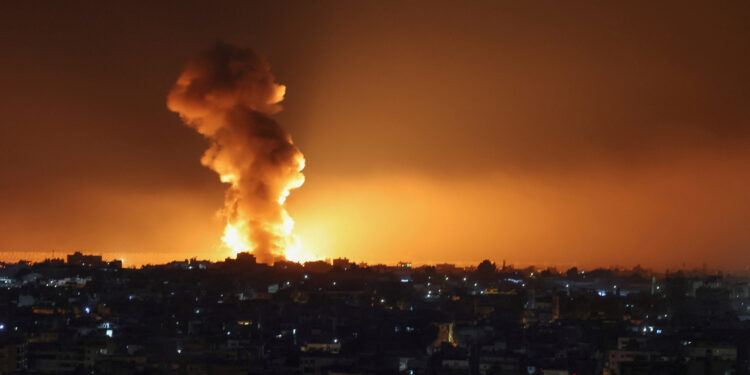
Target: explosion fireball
{"points": [[228, 94]]}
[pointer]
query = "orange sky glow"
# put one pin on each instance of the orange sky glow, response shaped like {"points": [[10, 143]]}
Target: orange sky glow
{"points": [[593, 135]]}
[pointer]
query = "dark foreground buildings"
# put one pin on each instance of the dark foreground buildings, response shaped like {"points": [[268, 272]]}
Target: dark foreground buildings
{"points": [[88, 316]]}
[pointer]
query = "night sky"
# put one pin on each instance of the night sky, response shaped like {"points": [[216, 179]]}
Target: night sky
{"points": [[547, 133]]}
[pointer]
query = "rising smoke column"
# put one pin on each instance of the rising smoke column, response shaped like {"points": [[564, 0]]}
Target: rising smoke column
{"points": [[227, 94]]}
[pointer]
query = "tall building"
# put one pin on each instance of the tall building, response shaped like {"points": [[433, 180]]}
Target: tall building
{"points": [[79, 259]]}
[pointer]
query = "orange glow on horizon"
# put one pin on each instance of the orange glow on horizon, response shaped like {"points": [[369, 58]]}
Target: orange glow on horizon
{"points": [[592, 218]]}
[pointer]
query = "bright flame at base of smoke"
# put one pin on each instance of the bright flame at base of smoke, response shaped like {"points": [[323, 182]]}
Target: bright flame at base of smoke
{"points": [[236, 238], [238, 235], [296, 253], [233, 240]]}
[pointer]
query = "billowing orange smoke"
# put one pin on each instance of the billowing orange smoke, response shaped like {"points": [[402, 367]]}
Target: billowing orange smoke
{"points": [[227, 94]]}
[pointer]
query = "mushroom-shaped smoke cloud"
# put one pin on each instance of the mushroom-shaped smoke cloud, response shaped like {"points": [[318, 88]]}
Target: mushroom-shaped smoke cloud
{"points": [[227, 94]]}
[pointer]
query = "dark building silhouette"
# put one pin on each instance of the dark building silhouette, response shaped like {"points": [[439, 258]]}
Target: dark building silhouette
{"points": [[79, 259]]}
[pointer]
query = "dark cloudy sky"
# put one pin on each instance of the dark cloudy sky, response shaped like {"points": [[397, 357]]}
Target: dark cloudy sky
{"points": [[586, 133]]}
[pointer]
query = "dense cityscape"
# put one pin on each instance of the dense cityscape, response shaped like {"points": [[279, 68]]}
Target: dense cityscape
{"points": [[87, 315]]}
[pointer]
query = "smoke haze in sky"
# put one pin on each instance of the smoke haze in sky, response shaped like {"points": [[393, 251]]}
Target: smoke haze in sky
{"points": [[595, 133]]}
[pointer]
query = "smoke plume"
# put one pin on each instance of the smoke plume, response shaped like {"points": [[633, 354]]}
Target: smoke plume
{"points": [[228, 94]]}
